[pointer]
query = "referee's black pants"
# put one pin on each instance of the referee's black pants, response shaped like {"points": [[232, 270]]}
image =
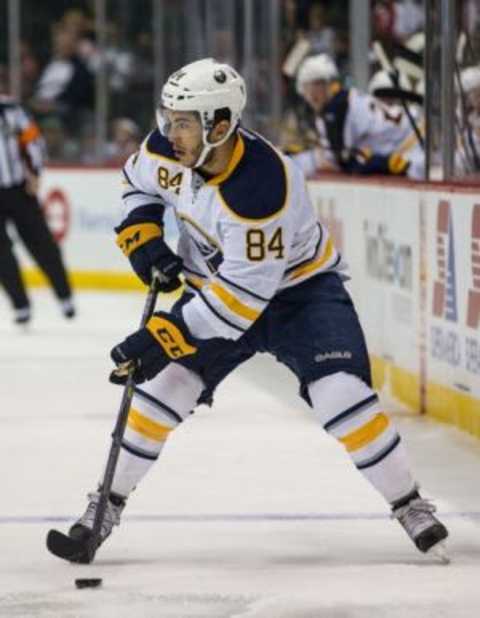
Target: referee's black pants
{"points": [[23, 210]]}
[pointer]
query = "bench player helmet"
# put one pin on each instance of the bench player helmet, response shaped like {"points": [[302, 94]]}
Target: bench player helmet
{"points": [[470, 78], [381, 81], [205, 86], [316, 68]]}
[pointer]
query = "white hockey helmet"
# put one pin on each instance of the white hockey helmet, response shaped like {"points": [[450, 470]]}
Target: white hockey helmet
{"points": [[316, 68], [470, 78], [204, 86], [382, 79]]}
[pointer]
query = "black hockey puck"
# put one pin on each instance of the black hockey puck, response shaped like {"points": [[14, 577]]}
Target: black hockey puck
{"points": [[92, 582]]}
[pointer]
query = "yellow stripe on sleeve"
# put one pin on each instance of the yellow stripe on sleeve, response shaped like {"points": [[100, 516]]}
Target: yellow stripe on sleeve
{"points": [[146, 427], [136, 235], [317, 264], [233, 303], [367, 433]]}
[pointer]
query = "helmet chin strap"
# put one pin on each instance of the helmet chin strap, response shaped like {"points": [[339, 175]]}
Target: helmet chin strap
{"points": [[203, 155], [208, 146]]}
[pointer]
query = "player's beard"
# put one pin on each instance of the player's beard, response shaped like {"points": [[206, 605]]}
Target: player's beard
{"points": [[193, 156]]}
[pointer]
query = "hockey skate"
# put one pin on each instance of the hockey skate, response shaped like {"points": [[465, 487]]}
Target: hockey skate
{"points": [[77, 546], [426, 531], [68, 308], [22, 316]]}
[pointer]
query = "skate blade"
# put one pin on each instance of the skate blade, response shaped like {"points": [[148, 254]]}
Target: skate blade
{"points": [[440, 551]]}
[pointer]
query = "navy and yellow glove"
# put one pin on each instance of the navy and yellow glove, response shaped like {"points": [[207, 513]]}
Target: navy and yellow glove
{"points": [[364, 161], [164, 339], [142, 242]]}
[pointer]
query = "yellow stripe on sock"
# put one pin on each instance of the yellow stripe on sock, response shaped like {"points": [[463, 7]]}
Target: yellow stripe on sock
{"points": [[367, 433], [146, 427]]}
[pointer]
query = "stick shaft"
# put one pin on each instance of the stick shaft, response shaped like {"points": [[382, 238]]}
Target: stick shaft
{"points": [[119, 430]]}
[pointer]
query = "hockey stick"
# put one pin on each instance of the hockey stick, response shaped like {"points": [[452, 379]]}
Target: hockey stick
{"points": [[393, 72], [73, 550]]}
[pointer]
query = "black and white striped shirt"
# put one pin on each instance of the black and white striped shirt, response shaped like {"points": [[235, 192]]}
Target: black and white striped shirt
{"points": [[21, 145]]}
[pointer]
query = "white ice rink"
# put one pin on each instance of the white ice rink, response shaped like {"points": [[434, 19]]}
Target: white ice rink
{"points": [[251, 512]]}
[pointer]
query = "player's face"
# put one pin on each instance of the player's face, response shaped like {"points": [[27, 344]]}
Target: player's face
{"points": [[316, 94], [184, 131]]}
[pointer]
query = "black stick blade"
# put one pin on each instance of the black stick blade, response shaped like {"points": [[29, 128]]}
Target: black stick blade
{"points": [[64, 547]]}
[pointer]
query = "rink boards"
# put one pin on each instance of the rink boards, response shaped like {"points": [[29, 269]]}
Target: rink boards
{"points": [[414, 257]]}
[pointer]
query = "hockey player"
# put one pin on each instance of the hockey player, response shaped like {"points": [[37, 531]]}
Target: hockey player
{"points": [[358, 134], [467, 156], [261, 275]]}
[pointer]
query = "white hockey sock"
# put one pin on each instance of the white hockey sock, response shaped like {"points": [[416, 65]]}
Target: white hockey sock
{"points": [[158, 406], [350, 411]]}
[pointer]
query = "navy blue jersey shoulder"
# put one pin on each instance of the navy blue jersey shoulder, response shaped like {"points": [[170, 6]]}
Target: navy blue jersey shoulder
{"points": [[157, 144], [257, 188]]}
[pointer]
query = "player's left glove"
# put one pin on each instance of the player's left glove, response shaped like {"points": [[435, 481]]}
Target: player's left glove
{"points": [[164, 339]]}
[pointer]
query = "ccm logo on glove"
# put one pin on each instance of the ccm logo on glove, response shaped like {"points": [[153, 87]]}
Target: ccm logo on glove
{"points": [[134, 236], [170, 338]]}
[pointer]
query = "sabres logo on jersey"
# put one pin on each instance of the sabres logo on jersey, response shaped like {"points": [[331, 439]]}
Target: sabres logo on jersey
{"points": [[207, 247]]}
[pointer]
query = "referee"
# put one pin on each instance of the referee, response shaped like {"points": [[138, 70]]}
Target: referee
{"points": [[21, 158]]}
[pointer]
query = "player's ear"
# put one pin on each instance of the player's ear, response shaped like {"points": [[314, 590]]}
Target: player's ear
{"points": [[219, 131]]}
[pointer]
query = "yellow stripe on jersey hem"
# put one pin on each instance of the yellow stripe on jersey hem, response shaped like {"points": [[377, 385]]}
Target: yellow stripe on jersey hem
{"points": [[233, 303], [146, 427], [237, 155], [317, 264], [195, 282], [135, 236], [367, 433]]}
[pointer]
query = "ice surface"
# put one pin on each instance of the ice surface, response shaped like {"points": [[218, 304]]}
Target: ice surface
{"points": [[251, 512]]}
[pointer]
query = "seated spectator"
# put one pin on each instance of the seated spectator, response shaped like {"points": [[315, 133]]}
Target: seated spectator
{"points": [[59, 147], [125, 140], [30, 69], [357, 133], [320, 35], [66, 86], [409, 19], [394, 21]]}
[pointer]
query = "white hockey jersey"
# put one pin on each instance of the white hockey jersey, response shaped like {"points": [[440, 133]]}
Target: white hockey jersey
{"points": [[356, 121], [245, 234]]}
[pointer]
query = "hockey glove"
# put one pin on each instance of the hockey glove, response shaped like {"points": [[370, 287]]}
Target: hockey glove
{"points": [[144, 246], [364, 161], [165, 339]]}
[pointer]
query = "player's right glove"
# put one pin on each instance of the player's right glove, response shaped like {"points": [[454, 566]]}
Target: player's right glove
{"points": [[142, 242], [165, 339]]}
